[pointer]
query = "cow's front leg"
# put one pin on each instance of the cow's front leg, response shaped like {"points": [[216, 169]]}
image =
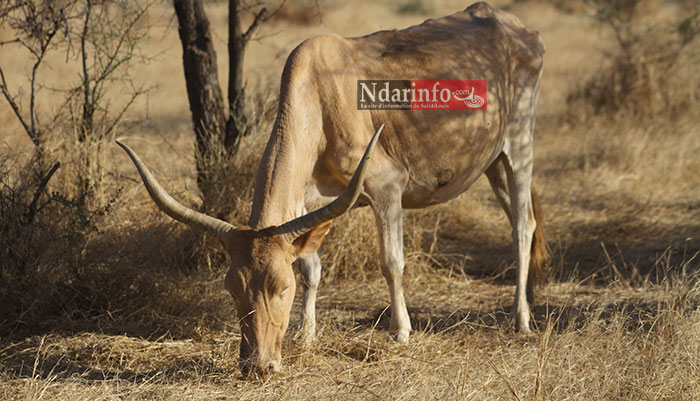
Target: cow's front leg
{"points": [[390, 225], [310, 267]]}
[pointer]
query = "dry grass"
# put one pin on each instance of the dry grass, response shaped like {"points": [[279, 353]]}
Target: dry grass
{"points": [[136, 309], [611, 344]]}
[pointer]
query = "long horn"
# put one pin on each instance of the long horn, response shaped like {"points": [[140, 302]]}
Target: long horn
{"points": [[340, 205], [173, 208]]}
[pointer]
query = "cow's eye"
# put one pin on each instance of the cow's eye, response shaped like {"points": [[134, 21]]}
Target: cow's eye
{"points": [[284, 292]]}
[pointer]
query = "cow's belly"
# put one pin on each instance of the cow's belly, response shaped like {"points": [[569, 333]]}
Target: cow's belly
{"points": [[419, 196], [441, 164], [443, 184]]}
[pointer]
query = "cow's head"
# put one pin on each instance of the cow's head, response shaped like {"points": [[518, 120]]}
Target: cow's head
{"points": [[262, 284], [260, 278]]}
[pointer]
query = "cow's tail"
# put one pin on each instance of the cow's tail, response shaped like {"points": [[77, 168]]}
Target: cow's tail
{"points": [[539, 269]]}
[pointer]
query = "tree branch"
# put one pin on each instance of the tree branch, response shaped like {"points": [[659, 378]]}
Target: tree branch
{"points": [[111, 57], [259, 17], [86, 123], [31, 212], [7, 42], [16, 109], [32, 97]]}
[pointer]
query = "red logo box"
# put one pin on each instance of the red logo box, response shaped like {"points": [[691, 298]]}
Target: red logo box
{"points": [[448, 94]]}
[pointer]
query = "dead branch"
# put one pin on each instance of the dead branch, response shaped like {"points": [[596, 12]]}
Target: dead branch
{"points": [[31, 211], [259, 17]]}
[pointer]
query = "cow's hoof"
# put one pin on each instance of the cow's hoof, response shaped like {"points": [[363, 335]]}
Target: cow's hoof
{"points": [[401, 336], [305, 335], [522, 319]]}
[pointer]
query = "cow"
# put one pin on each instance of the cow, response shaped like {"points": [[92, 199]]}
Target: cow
{"points": [[317, 165]]}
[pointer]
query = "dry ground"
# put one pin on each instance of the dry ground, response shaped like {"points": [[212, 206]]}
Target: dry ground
{"points": [[619, 320]]}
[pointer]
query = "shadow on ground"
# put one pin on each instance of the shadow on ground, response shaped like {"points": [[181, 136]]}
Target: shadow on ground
{"points": [[637, 314], [627, 248]]}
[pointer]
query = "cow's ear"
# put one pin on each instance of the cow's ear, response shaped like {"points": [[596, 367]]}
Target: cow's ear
{"points": [[310, 241]]}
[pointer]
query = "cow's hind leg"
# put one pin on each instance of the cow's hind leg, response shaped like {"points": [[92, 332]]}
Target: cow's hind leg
{"points": [[389, 219], [517, 173], [498, 178], [310, 267]]}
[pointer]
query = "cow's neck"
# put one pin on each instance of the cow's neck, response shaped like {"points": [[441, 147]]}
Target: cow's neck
{"points": [[285, 170]]}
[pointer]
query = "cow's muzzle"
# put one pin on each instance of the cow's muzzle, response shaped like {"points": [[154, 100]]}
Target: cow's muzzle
{"points": [[255, 366]]}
